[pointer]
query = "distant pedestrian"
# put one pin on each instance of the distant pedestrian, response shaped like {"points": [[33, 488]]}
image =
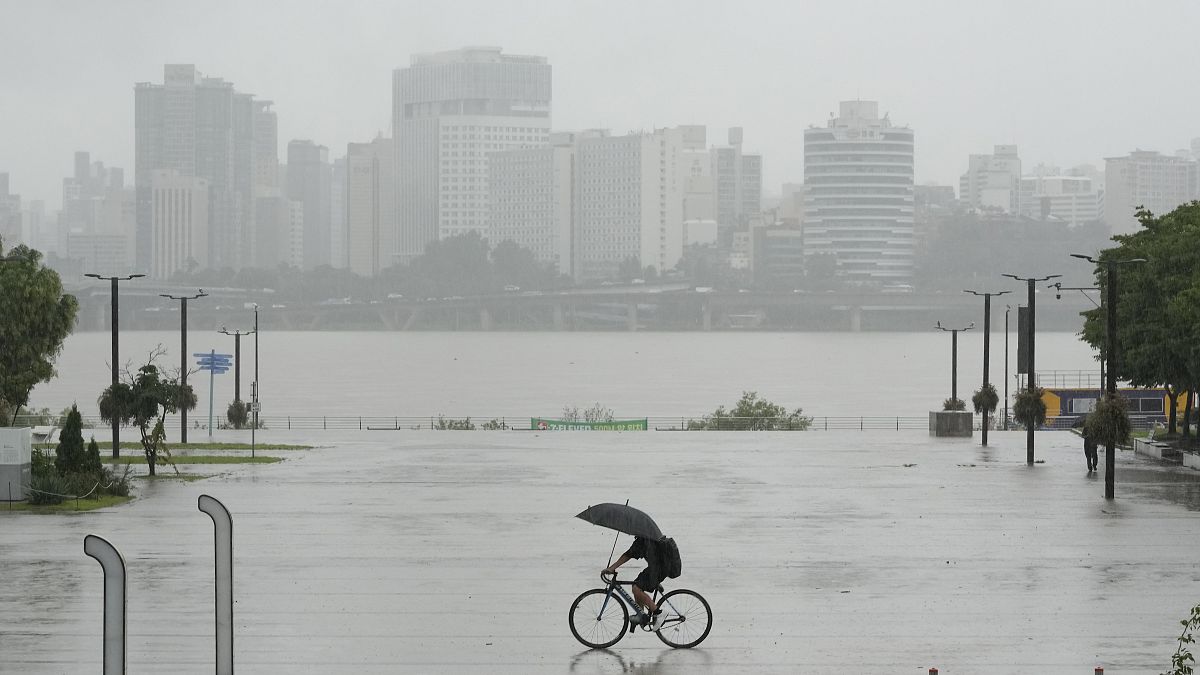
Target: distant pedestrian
{"points": [[1089, 452]]}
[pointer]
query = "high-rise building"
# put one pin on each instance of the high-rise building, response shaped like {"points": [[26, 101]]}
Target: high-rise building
{"points": [[858, 203], [370, 200], [309, 180], [180, 226], [1073, 199], [10, 215], [449, 111], [737, 181], [1148, 179], [337, 209], [200, 127], [533, 199], [993, 181]]}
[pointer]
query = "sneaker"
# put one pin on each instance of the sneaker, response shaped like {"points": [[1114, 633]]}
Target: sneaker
{"points": [[658, 620], [640, 619]]}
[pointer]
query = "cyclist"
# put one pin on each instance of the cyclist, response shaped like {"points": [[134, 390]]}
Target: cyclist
{"points": [[647, 581]]}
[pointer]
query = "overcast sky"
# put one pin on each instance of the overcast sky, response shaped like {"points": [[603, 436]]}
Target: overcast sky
{"points": [[1068, 81]]}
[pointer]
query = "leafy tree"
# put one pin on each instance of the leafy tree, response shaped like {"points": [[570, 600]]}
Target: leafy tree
{"points": [[70, 456], [1158, 303], [238, 414], [752, 413], [37, 317], [91, 463], [146, 398]]}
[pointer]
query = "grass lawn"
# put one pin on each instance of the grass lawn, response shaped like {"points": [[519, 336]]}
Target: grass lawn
{"points": [[198, 459], [171, 475], [107, 445], [68, 506]]}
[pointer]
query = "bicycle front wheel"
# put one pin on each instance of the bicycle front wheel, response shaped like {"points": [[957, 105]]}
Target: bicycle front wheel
{"points": [[687, 618], [598, 619]]}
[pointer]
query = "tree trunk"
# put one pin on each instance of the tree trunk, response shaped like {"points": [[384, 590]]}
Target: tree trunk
{"points": [[1172, 414], [1187, 417]]}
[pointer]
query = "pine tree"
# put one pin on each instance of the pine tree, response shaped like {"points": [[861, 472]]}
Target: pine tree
{"points": [[92, 462], [70, 453]]}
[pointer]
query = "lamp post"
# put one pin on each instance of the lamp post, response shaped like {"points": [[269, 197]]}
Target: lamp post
{"points": [[254, 388], [183, 352], [1032, 381], [116, 423], [1007, 309], [1058, 289], [987, 336], [1110, 341], [954, 354], [237, 359]]}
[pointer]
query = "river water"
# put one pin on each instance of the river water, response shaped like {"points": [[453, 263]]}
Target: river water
{"points": [[486, 375]]}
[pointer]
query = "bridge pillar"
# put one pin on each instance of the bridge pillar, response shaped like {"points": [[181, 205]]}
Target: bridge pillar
{"points": [[706, 312], [559, 323], [485, 318], [632, 320], [856, 319]]}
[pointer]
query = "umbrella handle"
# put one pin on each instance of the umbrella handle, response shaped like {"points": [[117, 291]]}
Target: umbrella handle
{"points": [[614, 548]]}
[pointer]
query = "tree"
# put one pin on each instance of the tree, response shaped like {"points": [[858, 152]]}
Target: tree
{"points": [[1158, 303], [237, 414], [37, 317], [69, 455], [146, 399], [752, 413]]}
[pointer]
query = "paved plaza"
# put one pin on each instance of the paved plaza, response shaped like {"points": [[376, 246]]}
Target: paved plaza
{"points": [[458, 552]]}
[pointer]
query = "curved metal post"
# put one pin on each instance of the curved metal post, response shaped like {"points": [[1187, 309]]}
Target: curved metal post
{"points": [[114, 601], [223, 535]]}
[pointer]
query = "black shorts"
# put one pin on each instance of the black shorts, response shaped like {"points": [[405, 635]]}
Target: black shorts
{"points": [[648, 581]]}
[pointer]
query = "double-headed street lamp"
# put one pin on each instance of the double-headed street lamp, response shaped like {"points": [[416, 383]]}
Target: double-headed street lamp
{"points": [[237, 358], [116, 423], [954, 354], [987, 334], [183, 352], [1032, 375], [1058, 289], [1110, 342]]}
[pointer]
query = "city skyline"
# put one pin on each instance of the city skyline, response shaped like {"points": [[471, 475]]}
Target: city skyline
{"points": [[664, 69]]}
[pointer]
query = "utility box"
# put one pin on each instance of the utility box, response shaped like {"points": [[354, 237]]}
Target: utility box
{"points": [[952, 423], [16, 453]]}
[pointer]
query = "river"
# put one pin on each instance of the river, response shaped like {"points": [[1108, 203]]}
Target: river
{"points": [[485, 375]]}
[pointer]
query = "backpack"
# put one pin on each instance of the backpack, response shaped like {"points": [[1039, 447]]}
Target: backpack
{"points": [[672, 566]]}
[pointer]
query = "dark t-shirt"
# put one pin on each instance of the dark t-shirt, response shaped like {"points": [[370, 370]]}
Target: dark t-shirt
{"points": [[644, 549]]}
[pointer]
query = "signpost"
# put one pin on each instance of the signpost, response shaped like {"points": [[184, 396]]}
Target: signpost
{"points": [[215, 364]]}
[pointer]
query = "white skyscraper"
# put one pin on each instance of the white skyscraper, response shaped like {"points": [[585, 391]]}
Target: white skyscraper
{"points": [[449, 111], [180, 225], [533, 199], [993, 181], [370, 219], [1147, 179], [858, 203]]}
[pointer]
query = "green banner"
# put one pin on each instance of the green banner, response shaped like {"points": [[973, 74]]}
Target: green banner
{"points": [[569, 425]]}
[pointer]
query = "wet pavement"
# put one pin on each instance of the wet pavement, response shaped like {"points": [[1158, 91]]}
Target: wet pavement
{"points": [[457, 552]]}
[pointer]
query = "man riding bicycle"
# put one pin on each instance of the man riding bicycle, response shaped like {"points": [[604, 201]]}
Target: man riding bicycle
{"points": [[647, 581]]}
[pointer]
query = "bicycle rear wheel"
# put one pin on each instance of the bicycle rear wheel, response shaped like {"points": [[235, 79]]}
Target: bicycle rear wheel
{"points": [[687, 618], [598, 619]]}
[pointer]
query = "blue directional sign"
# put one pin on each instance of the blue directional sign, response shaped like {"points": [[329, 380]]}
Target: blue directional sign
{"points": [[219, 364]]}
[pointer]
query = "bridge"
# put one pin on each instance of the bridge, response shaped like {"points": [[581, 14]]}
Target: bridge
{"points": [[631, 307]]}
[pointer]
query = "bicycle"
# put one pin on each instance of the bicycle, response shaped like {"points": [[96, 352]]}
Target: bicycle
{"points": [[602, 614]]}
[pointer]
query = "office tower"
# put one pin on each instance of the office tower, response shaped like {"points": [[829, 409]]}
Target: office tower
{"points": [[309, 180], [370, 222], [993, 182], [1147, 179], [737, 181], [449, 111], [337, 210], [10, 215], [532, 199], [858, 204], [201, 127], [180, 226]]}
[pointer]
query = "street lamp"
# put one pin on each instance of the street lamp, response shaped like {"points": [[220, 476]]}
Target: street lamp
{"points": [[116, 423], [1007, 309], [254, 387], [1032, 382], [1058, 289], [183, 352], [237, 359], [987, 336], [1110, 311], [954, 354]]}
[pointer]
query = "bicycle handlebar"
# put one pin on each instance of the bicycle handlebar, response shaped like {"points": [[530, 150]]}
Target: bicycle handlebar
{"points": [[604, 575]]}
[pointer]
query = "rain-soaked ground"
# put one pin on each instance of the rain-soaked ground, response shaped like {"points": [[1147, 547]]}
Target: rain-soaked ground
{"points": [[457, 552]]}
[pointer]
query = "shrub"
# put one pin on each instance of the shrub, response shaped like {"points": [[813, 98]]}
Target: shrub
{"points": [[1109, 422], [41, 465], [92, 461], [47, 489], [985, 398], [447, 424], [238, 414], [753, 414], [70, 455], [494, 425], [954, 404], [1029, 409]]}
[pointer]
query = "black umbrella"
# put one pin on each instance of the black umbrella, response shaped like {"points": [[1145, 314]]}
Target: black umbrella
{"points": [[622, 518]]}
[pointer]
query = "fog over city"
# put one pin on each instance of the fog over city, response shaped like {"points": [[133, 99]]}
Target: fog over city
{"points": [[1069, 82]]}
